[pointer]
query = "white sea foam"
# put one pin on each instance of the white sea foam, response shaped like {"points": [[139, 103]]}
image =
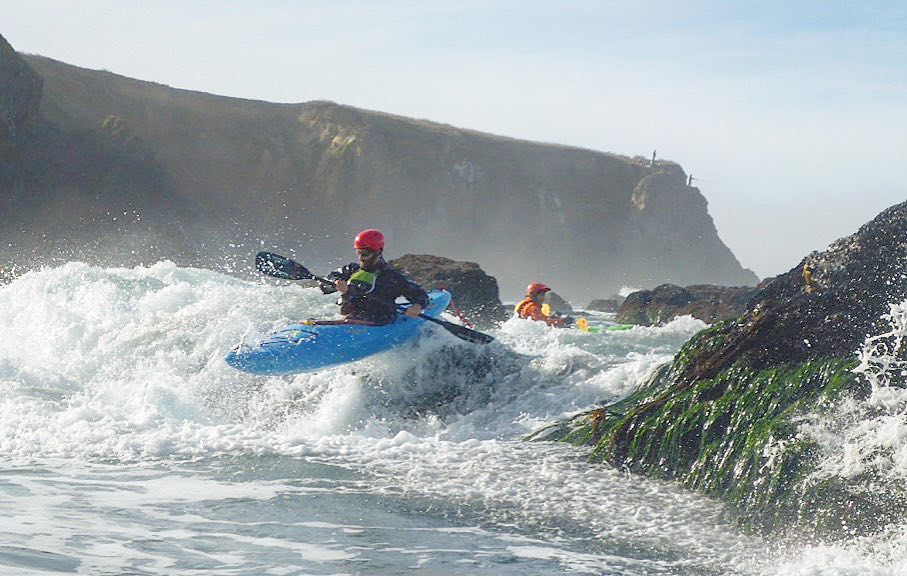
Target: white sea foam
{"points": [[870, 434], [125, 366]]}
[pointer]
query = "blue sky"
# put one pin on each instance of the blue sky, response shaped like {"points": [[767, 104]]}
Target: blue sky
{"points": [[791, 116]]}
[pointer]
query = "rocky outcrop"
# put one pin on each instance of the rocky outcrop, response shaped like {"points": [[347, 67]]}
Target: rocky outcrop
{"points": [[558, 304], [225, 173], [668, 220], [726, 415], [666, 302], [605, 305], [474, 293]]}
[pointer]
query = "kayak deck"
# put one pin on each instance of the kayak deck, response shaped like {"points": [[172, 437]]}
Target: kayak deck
{"points": [[307, 347]]}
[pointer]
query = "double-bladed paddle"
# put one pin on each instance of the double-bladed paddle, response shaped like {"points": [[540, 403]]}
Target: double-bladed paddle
{"points": [[286, 269]]}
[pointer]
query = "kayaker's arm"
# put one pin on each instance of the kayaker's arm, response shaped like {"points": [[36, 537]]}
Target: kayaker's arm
{"points": [[415, 294], [413, 311], [343, 273]]}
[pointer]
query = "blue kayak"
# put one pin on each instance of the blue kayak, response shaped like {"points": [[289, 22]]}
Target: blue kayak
{"points": [[306, 347]]}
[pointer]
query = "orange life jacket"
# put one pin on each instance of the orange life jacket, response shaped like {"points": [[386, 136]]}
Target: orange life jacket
{"points": [[529, 308]]}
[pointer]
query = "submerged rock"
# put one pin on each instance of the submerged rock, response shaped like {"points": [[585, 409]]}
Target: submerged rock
{"points": [[727, 415]]}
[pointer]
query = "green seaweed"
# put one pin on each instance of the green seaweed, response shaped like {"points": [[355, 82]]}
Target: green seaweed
{"points": [[733, 435]]}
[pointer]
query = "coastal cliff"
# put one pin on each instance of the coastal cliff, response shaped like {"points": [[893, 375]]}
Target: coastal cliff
{"points": [[222, 176]]}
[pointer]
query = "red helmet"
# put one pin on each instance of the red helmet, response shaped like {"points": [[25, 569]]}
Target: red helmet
{"points": [[370, 239], [536, 288]]}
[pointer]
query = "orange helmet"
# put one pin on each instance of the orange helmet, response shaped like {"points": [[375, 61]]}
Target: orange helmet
{"points": [[536, 288], [370, 239]]}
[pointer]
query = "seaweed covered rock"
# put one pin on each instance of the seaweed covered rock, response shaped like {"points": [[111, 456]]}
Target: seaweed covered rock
{"points": [[705, 302], [736, 413], [475, 293]]}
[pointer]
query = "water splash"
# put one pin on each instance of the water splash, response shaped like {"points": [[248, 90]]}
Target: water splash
{"points": [[869, 434], [125, 366], [127, 363]]}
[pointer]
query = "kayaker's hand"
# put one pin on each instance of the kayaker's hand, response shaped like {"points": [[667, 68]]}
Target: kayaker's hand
{"points": [[341, 286], [413, 311]]}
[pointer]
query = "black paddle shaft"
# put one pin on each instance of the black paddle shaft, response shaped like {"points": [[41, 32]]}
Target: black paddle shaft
{"points": [[461, 332], [284, 268]]}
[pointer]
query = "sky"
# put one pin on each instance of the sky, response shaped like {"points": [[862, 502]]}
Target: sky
{"points": [[790, 116]]}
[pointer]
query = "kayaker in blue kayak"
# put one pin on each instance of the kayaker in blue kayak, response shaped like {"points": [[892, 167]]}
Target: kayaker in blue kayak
{"points": [[370, 286]]}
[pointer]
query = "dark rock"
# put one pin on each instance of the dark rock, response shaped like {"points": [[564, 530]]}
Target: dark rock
{"points": [[666, 196], [853, 282], [610, 305], [725, 415], [666, 302], [474, 293], [558, 304]]}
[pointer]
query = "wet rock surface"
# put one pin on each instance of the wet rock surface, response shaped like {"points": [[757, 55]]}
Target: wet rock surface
{"points": [[666, 302], [724, 417], [558, 304]]}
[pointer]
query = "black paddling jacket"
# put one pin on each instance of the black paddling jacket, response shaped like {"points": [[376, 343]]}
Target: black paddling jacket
{"points": [[375, 302]]}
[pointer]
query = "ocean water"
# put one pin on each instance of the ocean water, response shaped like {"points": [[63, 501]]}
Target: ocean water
{"points": [[127, 446]]}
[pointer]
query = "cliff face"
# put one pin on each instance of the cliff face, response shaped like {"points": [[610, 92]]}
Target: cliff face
{"points": [[669, 221], [233, 175], [70, 190], [20, 92]]}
